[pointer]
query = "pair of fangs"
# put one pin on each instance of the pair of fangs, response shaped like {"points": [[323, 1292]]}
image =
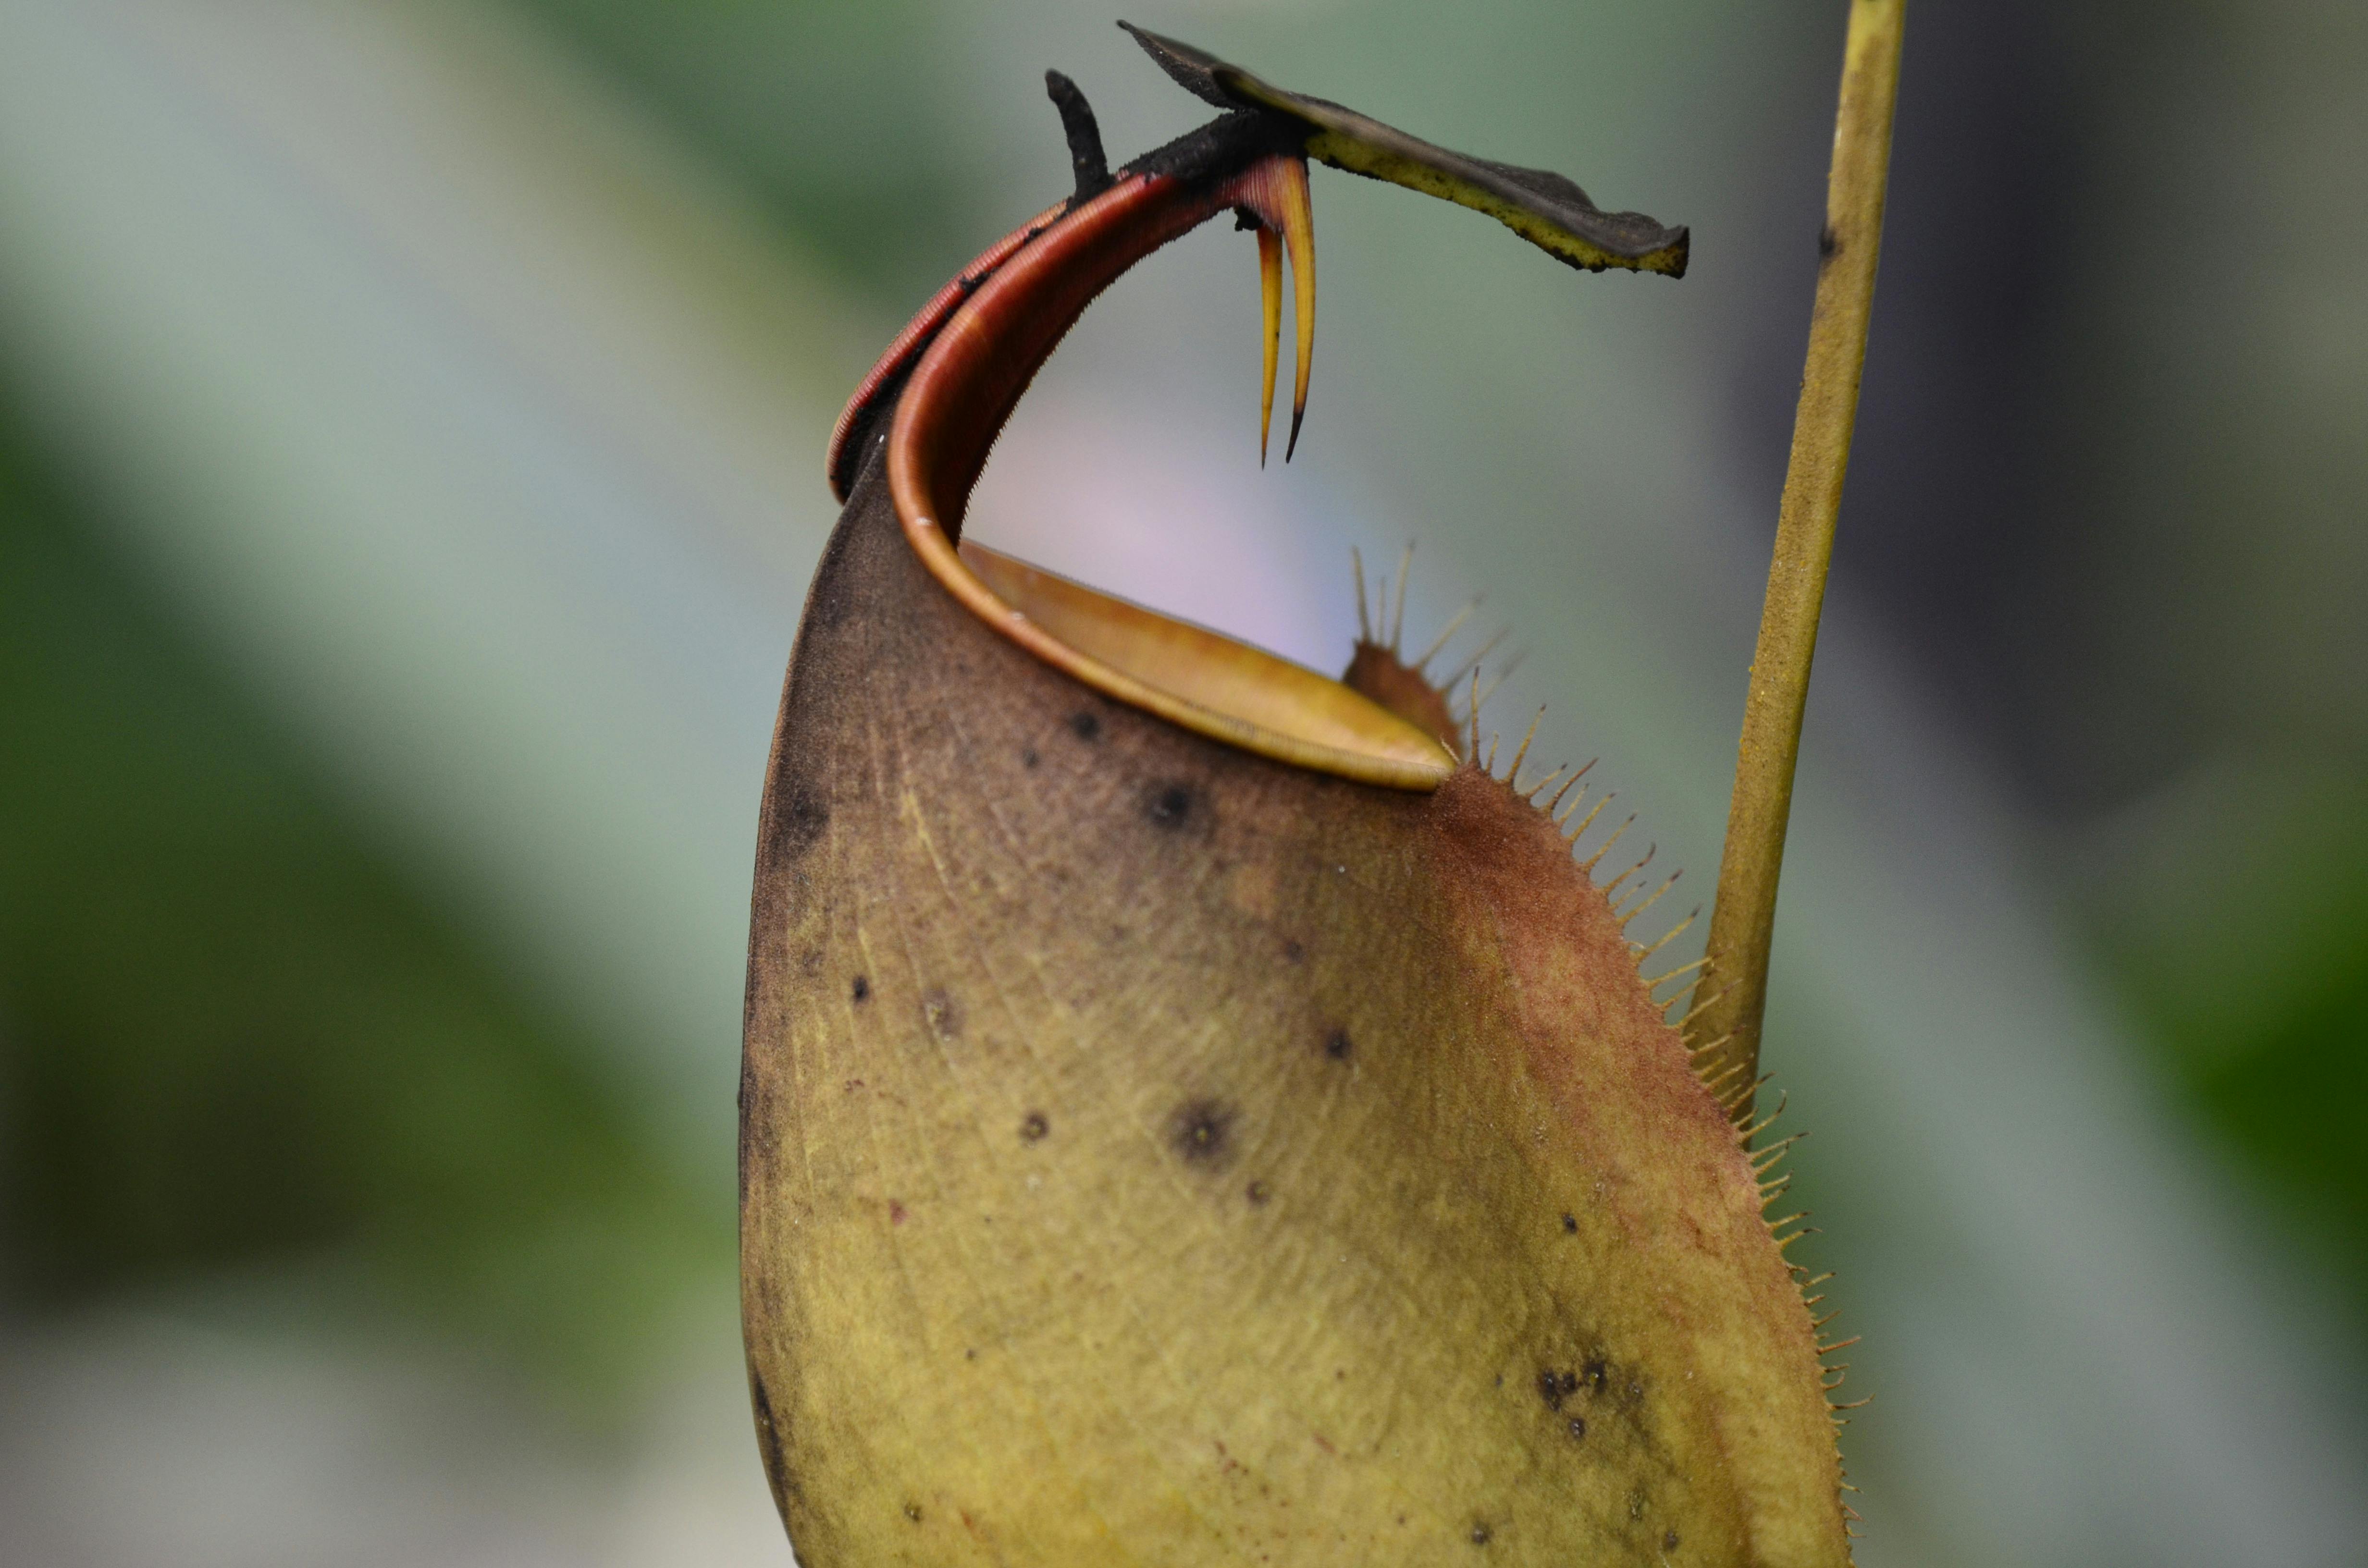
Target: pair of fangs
{"points": [[933, 404], [1253, 162]]}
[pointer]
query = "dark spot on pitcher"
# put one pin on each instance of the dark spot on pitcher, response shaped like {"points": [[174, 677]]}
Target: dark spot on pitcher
{"points": [[1201, 1132], [796, 820], [1172, 806], [1034, 1127], [1084, 726], [1337, 1045], [861, 988]]}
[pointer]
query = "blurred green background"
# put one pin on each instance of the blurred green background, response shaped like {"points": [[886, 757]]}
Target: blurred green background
{"points": [[410, 434]]}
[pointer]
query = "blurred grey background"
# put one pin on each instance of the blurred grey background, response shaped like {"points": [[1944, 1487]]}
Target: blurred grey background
{"points": [[411, 418]]}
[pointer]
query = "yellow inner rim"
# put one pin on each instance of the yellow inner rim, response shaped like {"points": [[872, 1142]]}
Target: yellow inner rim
{"points": [[1203, 679]]}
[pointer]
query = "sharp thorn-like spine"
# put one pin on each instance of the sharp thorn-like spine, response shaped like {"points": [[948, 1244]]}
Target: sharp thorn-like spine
{"points": [[1658, 980], [1716, 1083], [1703, 1005], [1397, 618], [1697, 1052], [1612, 886], [1604, 848], [1554, 805], [1748, 1091], [1672, 934], [1587, 820], [1454, 624], [1489, 647], [1504, 673], [1765, 1122], [1513, 775], [1626, 913]]}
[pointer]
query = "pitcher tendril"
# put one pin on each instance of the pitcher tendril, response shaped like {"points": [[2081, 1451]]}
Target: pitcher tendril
{"points": [[1743, 911]]}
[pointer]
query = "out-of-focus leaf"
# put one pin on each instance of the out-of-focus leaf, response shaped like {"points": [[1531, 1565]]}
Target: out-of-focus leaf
{"points": [[231, 1036], [814, 104]]}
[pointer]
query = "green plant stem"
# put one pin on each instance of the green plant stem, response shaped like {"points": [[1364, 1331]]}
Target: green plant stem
{"points": [[1743, 919]]}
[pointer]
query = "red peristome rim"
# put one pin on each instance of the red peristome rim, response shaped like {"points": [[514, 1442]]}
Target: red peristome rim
{"points": [[838, 463], [967, 381]]}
